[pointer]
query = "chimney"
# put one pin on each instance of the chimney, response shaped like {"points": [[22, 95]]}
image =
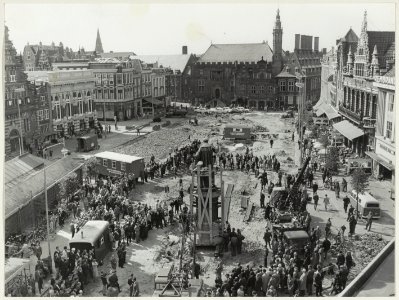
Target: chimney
{"points": [[316, 44], [297, 41], [184, 50]]}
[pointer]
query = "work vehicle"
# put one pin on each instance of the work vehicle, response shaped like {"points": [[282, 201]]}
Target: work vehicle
{"points": [[238, 132], [116, 164], [297, 240], [94, 235], [367, 203], [87, 143]]}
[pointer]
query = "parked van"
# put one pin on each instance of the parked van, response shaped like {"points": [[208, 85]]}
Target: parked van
{"points": [[367, 203], [297, 240], [93, 235]]}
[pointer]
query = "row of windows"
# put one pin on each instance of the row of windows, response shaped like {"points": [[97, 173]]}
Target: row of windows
{"points": [[113, 164], [71, 110], [120, 93], [158, 81], [68, 95], [283, 86], [121, 78], [43, 114]]}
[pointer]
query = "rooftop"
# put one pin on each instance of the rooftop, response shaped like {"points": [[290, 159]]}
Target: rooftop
{"points": [[117, 156], [19, 194], [174, 62], [240, 53]]}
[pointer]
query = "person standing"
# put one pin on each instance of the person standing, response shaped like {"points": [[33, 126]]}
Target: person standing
{"points": [[336, 187], [73, 229], [293, 136], [344, 185], [262, 199], [346, 201], [318, 282], [326, 201], [352, 225], [271, 143], [130, 283], [350, 212], [369, 221], [309, 280], [315, 200]]}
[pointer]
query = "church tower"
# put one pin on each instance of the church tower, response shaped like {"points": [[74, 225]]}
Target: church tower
{"points": [[277, 45], [99, 45]]}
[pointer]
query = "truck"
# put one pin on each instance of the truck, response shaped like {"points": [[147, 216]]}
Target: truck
{"points": [[238, 132]]}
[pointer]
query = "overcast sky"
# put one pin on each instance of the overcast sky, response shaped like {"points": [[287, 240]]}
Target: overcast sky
{"points": [[164, 28]]}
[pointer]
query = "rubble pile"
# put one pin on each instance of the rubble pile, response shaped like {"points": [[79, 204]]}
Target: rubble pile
{"points": [[259, 128], [159, 143], [367, 247]]}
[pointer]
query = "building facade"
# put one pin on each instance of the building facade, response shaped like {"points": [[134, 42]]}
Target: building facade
{"points": [[72, 101], [117, 88], [328, 87], [383, 154], [373, 56], [20, 103], [256, 75], [41, 57]]}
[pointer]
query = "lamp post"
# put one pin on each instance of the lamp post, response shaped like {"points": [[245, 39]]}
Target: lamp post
{"points": [[105, 121], [47, 220], [300, 85]]}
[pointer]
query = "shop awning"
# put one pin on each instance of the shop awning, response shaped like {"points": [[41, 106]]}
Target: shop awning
{"points": [[320, 102], [331, 112], [320, 110], [348, 130], [153, 101], [380, 160]]}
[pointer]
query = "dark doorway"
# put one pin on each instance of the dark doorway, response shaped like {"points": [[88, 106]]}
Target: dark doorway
{"points": [[217, 93]]}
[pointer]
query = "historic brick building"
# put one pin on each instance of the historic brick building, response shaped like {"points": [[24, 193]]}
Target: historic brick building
{"points": [[20, 103], [255, 75], [41, 57]]}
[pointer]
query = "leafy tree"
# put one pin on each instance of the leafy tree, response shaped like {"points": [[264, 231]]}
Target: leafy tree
{"points": [[332, 159], [325, 142], [91, 166], [359, 181], [68, 186]]}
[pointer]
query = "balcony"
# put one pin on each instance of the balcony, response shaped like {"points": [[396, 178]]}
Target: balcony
{"points": [[346, 112], [369, 123]]}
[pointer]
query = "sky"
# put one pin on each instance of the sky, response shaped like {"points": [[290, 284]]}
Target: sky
{"points": [[160, 28]]}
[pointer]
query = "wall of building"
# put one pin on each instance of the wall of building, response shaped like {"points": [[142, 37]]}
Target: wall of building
{"points": [[72, 100]]}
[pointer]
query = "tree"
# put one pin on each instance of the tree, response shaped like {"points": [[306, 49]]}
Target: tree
{"points": [[332, 159], [68, 186], [325, 142], [359, 181], [91, 166]]}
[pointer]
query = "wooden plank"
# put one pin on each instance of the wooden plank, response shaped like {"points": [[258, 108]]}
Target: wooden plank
{"points": [[248, 212], [227, 201]]}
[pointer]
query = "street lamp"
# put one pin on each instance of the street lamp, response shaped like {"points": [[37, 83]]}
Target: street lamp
{"points": [[300, 85], [47, 219]]}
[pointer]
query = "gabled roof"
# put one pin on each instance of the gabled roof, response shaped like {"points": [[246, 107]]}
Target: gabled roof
{"points": [[174, 62], [351, 37], [391, 72], [285, 73], [383, 40], [224, 53]]}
